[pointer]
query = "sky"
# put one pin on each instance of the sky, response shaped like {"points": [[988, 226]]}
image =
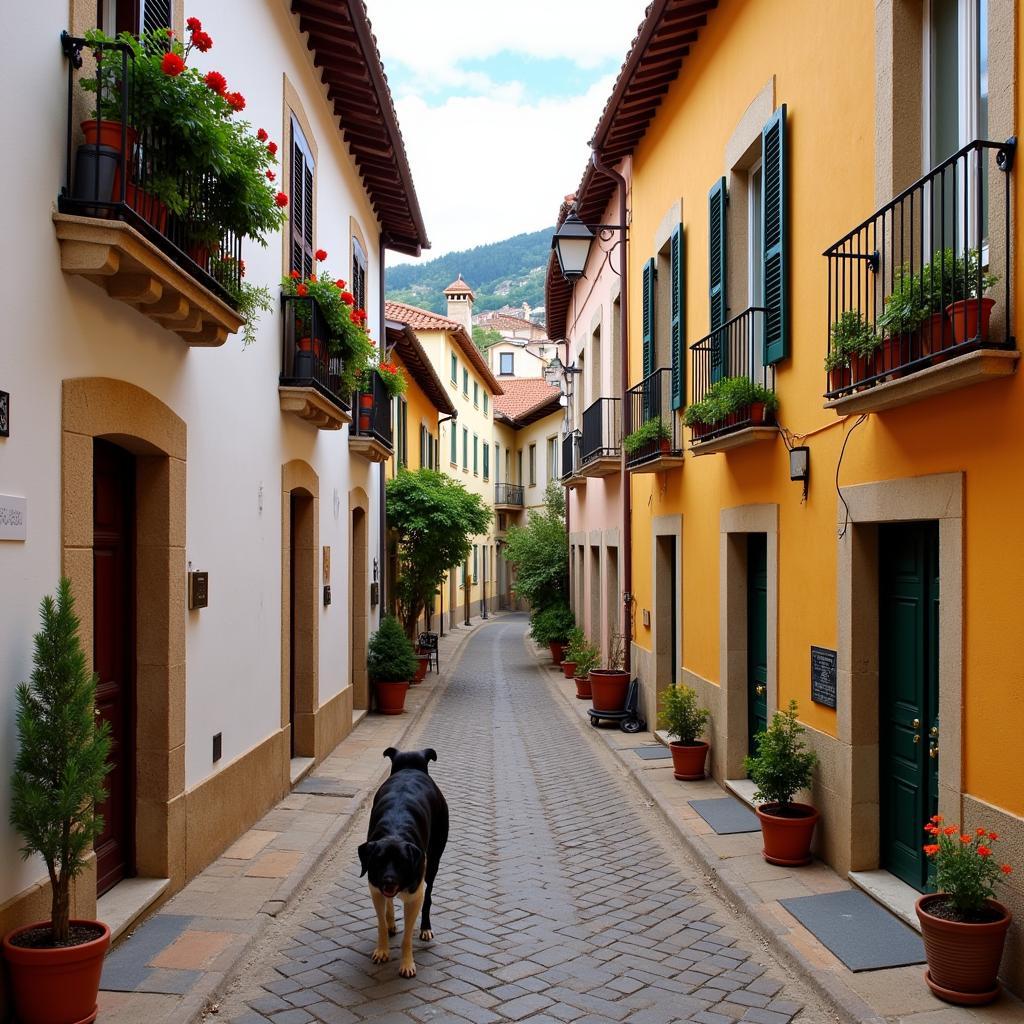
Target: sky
{"points": [[496, 102]]}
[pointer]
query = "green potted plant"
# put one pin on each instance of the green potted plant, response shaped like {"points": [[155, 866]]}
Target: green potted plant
{"points": [[575, 643], [853, 343], [781, 768], [588, 657], [391, 662], [963, 925], [970, 309], [652, 432], [609, 685], [551, 626], [682, 718], [58, 778]]}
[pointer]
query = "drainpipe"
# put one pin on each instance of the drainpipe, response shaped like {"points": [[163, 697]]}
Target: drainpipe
{"points": [[627, 523], [383, 540]]}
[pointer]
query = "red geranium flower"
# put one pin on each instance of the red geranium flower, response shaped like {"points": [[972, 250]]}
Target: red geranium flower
{"points": [[931, 849], [241, 267], [984, 851], [172, 64], [201, 41], [1006, 869], [216, 81], [272, 148], [235, 100], [340, 283], [281, 199], [320, 255], [301, 289], [981, 831], [312, 278], [194, 24], [349, 298], [950, 830], [295, 275], [170, 33], [261, 135], [271, 175], [966, 839], [993, 836]]}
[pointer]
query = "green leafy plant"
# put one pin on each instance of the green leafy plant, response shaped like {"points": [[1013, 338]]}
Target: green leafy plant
{"points": [[390, 656], [909, 302], [965, 869], [552, 625], [62, 755], [727, 396], [680, 715], [850, 335], [575, 642], [587, 657], [250, 300], [540, 553], [652, 432], [433, 519], [392, 378], [782, 765]]}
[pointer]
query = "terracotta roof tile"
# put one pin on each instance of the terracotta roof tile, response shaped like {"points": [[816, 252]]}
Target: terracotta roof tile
{"points": [[458, 285], [523, 396]]}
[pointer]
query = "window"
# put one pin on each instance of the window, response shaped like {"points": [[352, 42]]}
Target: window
{"points": [[358, 274], [455, 368], [486, 403], [403, 433], [455, 445], [465, 448], [497, 463], [519, 466], [135, 16], [424, 441], [487, 462], [506, 363], [465, 382], [476, 395], [552, 458], [533, 465], [476, 454], [300, 204]]}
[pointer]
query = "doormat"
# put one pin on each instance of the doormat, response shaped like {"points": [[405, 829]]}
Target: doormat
{"points": [[863, 934], [726, 815], [655, 753]]}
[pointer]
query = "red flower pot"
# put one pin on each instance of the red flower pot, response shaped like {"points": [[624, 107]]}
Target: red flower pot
{"points": [[664, 446], [787, 837], [557, 652], [970, 319], [568, 669], [963, 958], [936, 337], [305, 344], [583, 688], [108, 133], [688, 760], [365, 410], [893, 351], [148, 207], [861, 367], [199, 252], [608, 689], [422, 663], [56, 986], [757, 413], [839, 379], [391, 697]]}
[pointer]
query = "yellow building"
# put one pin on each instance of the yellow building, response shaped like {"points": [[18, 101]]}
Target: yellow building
{"points": [[883, 595]]}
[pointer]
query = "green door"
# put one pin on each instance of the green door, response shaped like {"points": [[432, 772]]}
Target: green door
{"points": [[757, 636], [908, 663]]}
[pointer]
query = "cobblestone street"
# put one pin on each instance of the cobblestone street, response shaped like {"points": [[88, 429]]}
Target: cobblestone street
{"points": [[559, 898]]}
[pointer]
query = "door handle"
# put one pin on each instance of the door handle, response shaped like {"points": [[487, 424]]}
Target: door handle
{"points": [[934, 731], [759, 690], [916, 723], [917, 737], [933, 752]]}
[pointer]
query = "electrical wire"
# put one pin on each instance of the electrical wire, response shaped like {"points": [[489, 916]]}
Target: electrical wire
{"points": [[846, 519]]}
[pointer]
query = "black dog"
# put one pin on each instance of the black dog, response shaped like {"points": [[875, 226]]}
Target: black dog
{"points": [[404, 842]]}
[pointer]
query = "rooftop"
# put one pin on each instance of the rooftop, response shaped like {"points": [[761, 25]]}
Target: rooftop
{"points": [[526, 400]]}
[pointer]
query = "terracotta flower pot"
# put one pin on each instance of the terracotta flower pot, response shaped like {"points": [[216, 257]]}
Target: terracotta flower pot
{"points": [[663, 444], [963, 958], [583, 688], [365, 410], [56, 986], [108, 133], [557, 652], [568, 669], [936, 337], [391, 697], [970, 319], [305, 344], [839, 379], [756, 413], [787, 838], [861, 367], [893, 350], [688, 760], [422, 663], [608, 689]]}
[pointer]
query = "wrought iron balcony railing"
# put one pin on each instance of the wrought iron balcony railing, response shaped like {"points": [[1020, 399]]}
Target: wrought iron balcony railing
{"points": [[120, 165], [728, 365], [602, 430], [570, 463], [305, 357], [906, 288], [508, 494], [647, 403], [373, 412]]}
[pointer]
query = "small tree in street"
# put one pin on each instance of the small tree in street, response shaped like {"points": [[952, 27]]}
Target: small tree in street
{"points": [[540, 553], [434, 519]]}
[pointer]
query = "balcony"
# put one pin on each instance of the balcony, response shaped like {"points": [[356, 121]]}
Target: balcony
{"points": [[600, 449], [653, 440], [570, 475], [733, 391], [919, 294], [508, 497], [114, 231], [310, 383], [369, 435]]}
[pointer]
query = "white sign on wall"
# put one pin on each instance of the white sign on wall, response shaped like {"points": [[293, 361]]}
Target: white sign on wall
{"points": [[13, 517]]}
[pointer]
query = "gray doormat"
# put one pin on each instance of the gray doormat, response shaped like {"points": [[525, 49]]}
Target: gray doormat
{"points": [[726, 815], [864, 935], [655, 753]]}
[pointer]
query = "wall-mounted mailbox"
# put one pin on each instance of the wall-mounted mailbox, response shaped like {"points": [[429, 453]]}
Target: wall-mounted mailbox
{"points": [[327, 595], [198, 589]]}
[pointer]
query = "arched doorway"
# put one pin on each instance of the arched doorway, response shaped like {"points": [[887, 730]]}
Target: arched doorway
{"points": [[358, 610]]}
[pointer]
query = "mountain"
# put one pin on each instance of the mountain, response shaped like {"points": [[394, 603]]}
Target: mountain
{"points": [[500, 273]]}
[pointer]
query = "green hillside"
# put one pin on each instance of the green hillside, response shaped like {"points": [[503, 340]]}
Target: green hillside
{"points": [[500, 273]]}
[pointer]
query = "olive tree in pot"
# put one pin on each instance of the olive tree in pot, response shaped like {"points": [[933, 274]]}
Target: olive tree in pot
{"points": [[551, 626], [682, 718], [963, 926], [391, 663], [781, 768], [608, 686], [57, 784]]}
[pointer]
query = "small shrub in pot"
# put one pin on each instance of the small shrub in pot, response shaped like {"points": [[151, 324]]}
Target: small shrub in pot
{"points": [[682, 718], [552, 626], [391, 662], [588, 657]]}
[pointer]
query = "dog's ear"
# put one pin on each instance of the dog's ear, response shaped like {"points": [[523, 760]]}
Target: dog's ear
{"points": [[391, 752], [365, 852], [430, 754], [415, 856]]}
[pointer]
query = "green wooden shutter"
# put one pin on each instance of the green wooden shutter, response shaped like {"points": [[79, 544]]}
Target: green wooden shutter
{"points": [[678, 321], [717, 275], [649, 273], [455, 444], [776, 275]]}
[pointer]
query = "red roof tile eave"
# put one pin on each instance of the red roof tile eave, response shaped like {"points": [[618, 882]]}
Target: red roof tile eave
{"points": [[418, 365]]}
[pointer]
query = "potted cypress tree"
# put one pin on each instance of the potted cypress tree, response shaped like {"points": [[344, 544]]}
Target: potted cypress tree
{"points": [[681, 717], [58, 779], [391, 664], [782, 767]]}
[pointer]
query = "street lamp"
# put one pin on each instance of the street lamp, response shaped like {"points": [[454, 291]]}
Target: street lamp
{"points": [[571, 242]]}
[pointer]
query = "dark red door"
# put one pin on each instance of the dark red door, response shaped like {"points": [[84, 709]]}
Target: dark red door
{"points": [[114, 652]]}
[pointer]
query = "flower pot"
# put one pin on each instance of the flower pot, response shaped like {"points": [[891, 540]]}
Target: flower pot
{"points": [[688, 760], [148, 207], [608, 689], [365, 411], [936, 337], [568, 669], [663, 445], [422, 664], [839, 379], [970, 319], [391, 697], [861, 367], [963, 958], [199, 252], [583, 688], [787, 838], [893, 350], [108, 133], [56, 986], [557, 652], [757, 413]]}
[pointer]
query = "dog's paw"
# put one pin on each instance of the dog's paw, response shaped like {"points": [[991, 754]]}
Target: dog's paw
{"points": [[380, 956], [407, 970], [392, 929], [426, 934]]}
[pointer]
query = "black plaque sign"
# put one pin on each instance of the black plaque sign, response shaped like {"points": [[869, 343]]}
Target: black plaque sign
{"points": [[823, 676], [5, 414]]}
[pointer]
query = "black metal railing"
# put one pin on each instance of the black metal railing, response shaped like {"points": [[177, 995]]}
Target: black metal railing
{"points": [[906, 288], [508, 494], [570, 463], [305, 356], [602, 430], [372, 411], [118, 167], [728, 364], [648, 402]]}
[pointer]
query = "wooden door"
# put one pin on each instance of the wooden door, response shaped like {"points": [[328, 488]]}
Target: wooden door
{"points": [[757, 636], [114, 652], [908, 607]]}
